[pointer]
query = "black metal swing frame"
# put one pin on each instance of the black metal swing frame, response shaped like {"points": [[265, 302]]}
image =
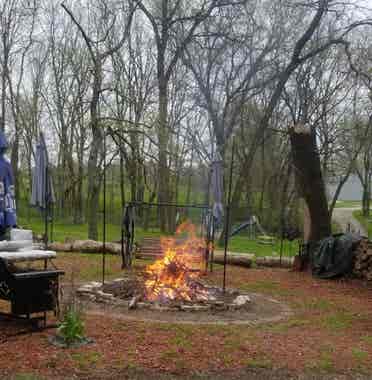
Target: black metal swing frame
{"points": [[128, 231]]}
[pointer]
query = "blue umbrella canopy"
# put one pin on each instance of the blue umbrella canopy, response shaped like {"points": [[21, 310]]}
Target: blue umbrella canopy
{"points": [[217, 187], [8, 216], [42, 193]]}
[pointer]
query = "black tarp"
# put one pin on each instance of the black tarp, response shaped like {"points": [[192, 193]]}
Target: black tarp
{"points": [[333, 256]]}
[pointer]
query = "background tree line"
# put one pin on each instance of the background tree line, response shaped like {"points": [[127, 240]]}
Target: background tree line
{"points": [[168, 83]]}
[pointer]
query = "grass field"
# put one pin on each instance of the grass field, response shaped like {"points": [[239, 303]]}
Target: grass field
{"points": [[244, 244], [348, 204], [64, 230]]}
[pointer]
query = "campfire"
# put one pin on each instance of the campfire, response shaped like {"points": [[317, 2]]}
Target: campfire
{"points": [[172, 283], [175, 276]]}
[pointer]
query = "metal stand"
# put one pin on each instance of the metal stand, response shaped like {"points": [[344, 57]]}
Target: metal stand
{"points": [[227, 219], [128, 230], [104, 212]]}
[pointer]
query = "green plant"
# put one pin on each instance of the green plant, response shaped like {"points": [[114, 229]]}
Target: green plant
{"points": [[359, 354], [72, 327], [25, 376]]}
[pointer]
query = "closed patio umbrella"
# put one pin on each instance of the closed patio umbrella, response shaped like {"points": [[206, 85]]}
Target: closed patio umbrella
{"points": [[42, 194], [8, 217]]}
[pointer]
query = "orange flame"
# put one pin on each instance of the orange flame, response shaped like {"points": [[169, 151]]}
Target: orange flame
{"points": [[174, 276]]}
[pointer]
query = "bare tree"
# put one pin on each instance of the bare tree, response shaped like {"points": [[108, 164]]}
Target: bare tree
{"points": [[98, 56]]}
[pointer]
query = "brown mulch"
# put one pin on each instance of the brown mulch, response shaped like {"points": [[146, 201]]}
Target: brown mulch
{"points": [[330, 331]]}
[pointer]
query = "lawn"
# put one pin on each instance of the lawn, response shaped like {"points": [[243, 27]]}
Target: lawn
{"points": [[328, 333], [246, 245], [63, 230], [348, 204]]}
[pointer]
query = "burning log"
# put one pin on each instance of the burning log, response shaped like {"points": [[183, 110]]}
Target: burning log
{"points": [[174, 276]]}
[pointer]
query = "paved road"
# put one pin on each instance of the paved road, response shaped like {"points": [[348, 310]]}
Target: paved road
{"points": [[344, 217]]}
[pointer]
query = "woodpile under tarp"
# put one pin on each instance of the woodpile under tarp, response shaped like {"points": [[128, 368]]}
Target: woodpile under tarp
{"points": [[363, 260]]}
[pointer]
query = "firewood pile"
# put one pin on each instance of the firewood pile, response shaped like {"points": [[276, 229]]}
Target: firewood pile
{"points": [[363, 260]]}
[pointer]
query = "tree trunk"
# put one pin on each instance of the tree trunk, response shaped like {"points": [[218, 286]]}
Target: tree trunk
{"points": [[94, 172], [14, 162], [366, 190], [163, 190], [306, 162], [122, 188]]}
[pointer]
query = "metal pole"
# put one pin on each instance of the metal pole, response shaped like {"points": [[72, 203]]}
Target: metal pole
{"points": [[227, 219], [51, 223], [212, 246], [46, 208], [104, 211], [281, 250]]}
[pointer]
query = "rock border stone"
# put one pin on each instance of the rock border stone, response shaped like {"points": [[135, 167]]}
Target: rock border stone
{"points": [[92, 291]]}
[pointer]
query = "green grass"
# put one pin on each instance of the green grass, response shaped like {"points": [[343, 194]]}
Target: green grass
{"points": [[284, 327], [318, 304], [63, 230], [259, 363], [359, 355], [26, 376], [86, 360], [348, 204], [367, 339], [338, 321], [325, 361], [93, 271], [246, 245]]}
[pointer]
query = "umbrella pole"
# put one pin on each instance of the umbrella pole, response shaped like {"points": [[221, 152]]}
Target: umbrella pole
{"points": [[51, 223], [227, 220], [104, 211], [46, 209]]}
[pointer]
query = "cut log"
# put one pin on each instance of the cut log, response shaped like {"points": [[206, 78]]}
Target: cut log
{"points": [[243, 260], [275, 262], [85, 246], [60, 247]]}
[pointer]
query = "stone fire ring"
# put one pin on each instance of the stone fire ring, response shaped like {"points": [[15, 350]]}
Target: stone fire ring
{"points": [[249, 309]]}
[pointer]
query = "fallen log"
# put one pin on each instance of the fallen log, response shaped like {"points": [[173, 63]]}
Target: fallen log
{"points": [[85, 246], [60, 247], [275, 262], [243, 260]]}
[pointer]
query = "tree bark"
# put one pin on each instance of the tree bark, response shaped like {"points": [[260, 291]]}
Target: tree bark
{"points": [[163, 190], [306, 162]]}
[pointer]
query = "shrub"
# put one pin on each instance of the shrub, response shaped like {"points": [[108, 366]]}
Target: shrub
{"points": [[72, 328]]}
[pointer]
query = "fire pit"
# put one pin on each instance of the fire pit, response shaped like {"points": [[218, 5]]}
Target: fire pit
{"points": [[126, 292], [174, 283]]}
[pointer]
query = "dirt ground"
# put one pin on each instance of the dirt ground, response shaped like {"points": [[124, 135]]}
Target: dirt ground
{"points": [[328, 336]]}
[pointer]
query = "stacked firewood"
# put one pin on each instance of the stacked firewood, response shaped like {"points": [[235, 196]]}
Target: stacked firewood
{"points": [[363, 260]]}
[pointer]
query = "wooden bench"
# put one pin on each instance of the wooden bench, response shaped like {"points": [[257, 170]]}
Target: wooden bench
{"points": [[29, 292]]}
